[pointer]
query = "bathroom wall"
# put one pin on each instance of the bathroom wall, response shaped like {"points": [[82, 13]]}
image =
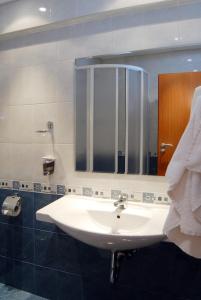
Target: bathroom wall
{"points": [[36, 85], [39, 258]]}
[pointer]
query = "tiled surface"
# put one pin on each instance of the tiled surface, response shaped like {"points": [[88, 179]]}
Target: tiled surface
{"points": [[97, 192], [35, 256], [39, 258], [36, 76], [36, 83], [8, 293]]}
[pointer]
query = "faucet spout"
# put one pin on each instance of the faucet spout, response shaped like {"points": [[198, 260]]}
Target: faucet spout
{"points": [[121, 202]]}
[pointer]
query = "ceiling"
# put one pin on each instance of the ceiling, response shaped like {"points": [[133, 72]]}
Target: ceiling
{"points": [[5, 1]]}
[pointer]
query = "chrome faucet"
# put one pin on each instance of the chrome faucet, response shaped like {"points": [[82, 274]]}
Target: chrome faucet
{"points": [[121, 202]]}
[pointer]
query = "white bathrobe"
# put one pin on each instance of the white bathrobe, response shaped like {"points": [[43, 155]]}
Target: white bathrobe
{"points": [[183, 224]]}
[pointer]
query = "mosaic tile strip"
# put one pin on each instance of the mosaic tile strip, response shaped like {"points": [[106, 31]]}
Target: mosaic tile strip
{"points": [[98, 192], [16, 185]]}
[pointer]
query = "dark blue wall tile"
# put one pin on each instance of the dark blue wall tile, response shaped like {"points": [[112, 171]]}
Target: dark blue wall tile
{"points": [[69, 287], [57, 251], [46, 284], [165, 269], [118, 292], [41, 200], [146, 264], [67, 254], [6, 270], [97, 288], [5, 239], [95, 270], [23, 243], [94, 261], [186, 275], [2, 269], [46, 248], [23, 276]]}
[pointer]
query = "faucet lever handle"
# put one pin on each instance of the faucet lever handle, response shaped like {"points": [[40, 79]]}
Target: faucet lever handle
{"points": [[123, 197]]}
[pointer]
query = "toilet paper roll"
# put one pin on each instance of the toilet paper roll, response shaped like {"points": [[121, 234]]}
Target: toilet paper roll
{"points": [[12, 206]]}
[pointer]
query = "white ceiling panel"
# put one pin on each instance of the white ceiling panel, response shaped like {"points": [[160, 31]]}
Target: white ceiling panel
{"points": [[5, 1]]}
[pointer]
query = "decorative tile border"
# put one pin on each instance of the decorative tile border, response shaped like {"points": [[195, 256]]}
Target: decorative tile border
{"points": [[145, 197], [37, 187], [98, 192], [16, 185], [6, 184], [32, 187], [61, 189]]}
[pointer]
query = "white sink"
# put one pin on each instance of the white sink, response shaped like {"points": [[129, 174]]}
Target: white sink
{"points": [[97, 222]]}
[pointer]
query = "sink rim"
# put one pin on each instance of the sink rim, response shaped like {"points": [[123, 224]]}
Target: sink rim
{"points": [[105, 239], [150, 207]]}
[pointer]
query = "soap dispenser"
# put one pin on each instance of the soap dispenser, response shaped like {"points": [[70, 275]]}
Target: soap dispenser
{"points": [[48, 165]]}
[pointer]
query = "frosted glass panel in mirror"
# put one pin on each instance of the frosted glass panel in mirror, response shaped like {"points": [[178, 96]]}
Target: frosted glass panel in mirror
{"points": [[145, 125], [133, 121], [104, 119], [121, 119], [81, 115]]}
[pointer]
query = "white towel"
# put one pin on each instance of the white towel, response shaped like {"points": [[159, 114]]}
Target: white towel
{"points": [[183, 224]]}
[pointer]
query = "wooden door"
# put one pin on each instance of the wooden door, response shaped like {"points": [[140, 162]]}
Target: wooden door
{"points": [[175, 93]]}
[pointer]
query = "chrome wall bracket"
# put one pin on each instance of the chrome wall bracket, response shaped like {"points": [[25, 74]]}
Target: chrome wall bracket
{"points": [[50, 127]]}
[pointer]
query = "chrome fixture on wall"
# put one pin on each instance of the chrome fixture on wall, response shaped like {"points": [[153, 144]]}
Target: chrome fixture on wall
{"points": [[12, 206], [50, 127], [48, 161], [48, 165]]}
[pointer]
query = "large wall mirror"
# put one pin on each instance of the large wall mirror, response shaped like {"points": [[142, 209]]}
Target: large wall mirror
{"points": [[132, 108]]}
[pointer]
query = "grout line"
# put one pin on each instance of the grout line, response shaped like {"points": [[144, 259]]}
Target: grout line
{"points": [[36, 229], [9, 142], [39, 103], [40, 266]]}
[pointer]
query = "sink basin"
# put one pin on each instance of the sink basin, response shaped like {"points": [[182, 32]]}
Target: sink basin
{"points": [[97, 222]]}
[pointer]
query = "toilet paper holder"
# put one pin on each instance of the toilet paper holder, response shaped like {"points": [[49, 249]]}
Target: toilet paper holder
{"points": [[12, 206]]}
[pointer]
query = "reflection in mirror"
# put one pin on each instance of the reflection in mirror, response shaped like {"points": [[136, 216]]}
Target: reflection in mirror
{"points": [[121, 120], [104, 120], [131, 121], [81, 115], [133, 136], [113, 109]]}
